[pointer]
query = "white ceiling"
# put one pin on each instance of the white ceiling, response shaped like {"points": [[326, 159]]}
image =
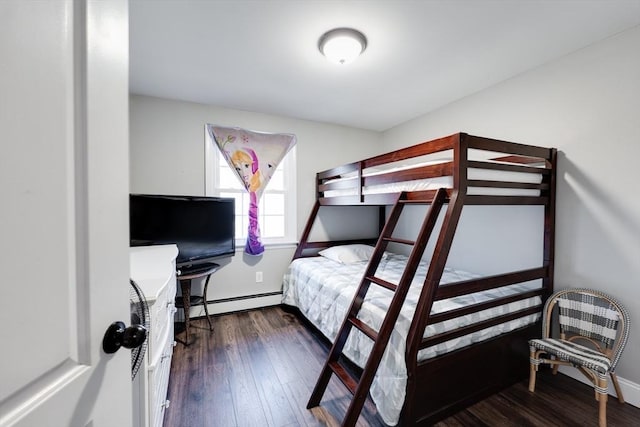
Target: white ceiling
{"points": [[262, 55]]}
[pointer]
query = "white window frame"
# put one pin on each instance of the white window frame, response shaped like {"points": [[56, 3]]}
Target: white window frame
{"points": [[211, 188]]}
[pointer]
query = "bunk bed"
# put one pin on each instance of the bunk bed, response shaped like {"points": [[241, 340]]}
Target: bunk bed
{"points": [[431, 340]]}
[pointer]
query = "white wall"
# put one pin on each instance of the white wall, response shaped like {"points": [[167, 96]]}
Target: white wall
{"points": [[167, 157], [509, 225], [588, 106]]}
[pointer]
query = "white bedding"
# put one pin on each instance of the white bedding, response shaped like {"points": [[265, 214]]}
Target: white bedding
{"points": [[442, 181], [323, 289]]}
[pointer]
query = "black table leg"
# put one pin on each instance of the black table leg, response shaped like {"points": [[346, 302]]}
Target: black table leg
{"points": [[185, 286]]}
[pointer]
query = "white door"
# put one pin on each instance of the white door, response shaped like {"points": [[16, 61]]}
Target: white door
{"points": [[63, 212]]}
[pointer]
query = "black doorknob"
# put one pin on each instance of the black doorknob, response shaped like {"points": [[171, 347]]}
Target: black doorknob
{"points": [[118, 335]]}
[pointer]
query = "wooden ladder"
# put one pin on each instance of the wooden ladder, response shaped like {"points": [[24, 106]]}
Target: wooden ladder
{"points": [[360, 387]]}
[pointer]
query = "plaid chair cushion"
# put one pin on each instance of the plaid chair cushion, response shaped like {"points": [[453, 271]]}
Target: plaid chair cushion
{"points": [[576, 354]]}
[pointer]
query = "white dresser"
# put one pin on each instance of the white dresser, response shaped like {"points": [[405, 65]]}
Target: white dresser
{"points": [[153, 268]]}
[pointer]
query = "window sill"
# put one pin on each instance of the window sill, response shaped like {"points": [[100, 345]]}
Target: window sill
{"points": [[274, 245]]}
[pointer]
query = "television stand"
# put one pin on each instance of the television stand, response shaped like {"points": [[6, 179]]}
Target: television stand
{"points": [[186, 301]]}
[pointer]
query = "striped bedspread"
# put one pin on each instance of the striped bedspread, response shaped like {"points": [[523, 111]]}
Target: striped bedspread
{"points": [[322, 290]]}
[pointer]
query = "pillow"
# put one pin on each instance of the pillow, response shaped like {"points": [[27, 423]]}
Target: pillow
{"points": [[348, 254]]}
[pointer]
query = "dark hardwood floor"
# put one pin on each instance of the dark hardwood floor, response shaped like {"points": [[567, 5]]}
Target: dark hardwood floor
{"points": [[257, 368]]}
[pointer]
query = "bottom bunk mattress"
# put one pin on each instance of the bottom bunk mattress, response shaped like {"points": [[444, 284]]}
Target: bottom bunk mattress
{"points": [[322, 289]]}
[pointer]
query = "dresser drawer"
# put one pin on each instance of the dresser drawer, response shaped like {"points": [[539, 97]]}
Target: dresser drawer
{"points": [[158, 384], [162, 313]]}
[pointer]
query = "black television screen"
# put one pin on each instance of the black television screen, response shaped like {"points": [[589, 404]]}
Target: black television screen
{"points": [[202, 227]]}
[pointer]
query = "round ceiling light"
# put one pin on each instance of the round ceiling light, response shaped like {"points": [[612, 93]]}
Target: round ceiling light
{"points": [[342, 45]]}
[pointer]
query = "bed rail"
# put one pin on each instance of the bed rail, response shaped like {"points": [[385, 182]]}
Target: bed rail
{"points": [[459, 158], [466, 287]]}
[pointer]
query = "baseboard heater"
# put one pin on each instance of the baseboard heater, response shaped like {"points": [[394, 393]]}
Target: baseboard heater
{"points": [[233, 304], [244, 297]]}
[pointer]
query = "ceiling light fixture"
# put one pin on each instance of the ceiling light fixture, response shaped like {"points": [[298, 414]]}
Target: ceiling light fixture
{"points": [[342, 45]]}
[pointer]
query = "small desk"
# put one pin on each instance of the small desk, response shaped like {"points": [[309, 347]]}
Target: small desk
{"points": [[186, 301]]}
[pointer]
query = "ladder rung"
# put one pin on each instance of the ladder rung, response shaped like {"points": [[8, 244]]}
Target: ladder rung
{"points": [[397, 240], [368, 330], [383, 283], [344, 376], [417, 201]]}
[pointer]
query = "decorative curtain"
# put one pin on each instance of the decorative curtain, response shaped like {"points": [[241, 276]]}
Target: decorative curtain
{"points": [[254, 156]]}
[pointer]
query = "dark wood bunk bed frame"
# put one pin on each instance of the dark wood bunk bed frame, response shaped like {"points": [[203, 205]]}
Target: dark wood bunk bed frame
{"points": [[441, 386]]}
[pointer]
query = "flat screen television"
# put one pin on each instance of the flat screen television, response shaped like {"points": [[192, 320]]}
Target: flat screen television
{"points": [[203, 228]]}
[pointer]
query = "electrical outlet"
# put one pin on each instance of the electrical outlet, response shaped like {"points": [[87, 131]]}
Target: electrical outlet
{"points": [[258, 276]]}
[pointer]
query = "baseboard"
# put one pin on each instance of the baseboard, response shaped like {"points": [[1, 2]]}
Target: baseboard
{"points": [[630, 390], [228, 305]]}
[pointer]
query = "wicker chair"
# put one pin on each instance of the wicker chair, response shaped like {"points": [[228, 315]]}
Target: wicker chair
{"points": [[594, 329]]}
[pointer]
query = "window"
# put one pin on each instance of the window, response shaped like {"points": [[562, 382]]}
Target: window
{"points": [[276, 208]]}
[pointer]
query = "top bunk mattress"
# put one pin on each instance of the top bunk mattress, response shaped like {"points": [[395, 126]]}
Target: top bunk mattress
{"points": [[434, 183]]}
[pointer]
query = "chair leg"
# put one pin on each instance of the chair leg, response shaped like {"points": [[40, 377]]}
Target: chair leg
{"points": [[532, 371], [601, 391], [616, 386]]}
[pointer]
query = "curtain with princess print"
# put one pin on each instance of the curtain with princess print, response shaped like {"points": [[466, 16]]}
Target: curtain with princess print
{"points": [[254, 156]]}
